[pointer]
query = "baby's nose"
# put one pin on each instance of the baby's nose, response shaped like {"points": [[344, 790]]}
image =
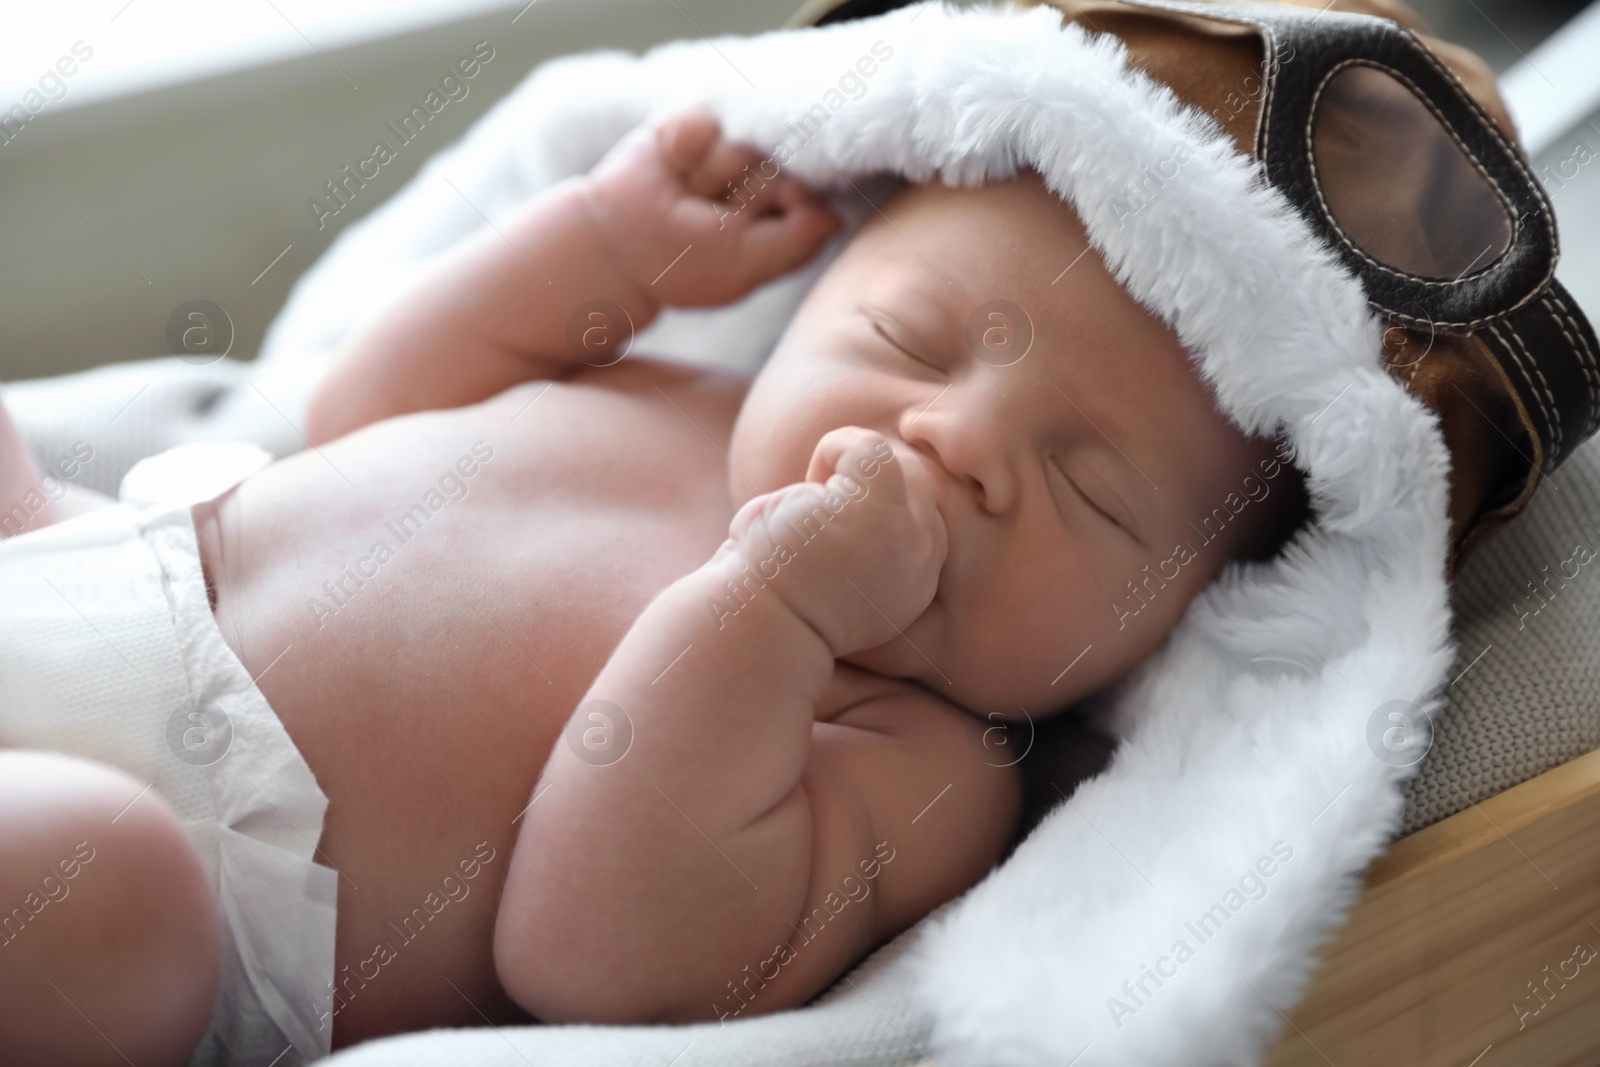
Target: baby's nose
{"points": [[966, 446]]}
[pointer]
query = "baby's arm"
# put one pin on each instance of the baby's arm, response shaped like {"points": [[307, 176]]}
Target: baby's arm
{"points": [[651, 887], [651, 226]]}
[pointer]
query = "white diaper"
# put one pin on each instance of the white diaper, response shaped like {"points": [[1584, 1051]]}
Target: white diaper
{"points": [[109, 650]]}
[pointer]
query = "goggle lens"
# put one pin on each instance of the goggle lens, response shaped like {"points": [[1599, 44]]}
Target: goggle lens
{"points": [[1398, 184]]}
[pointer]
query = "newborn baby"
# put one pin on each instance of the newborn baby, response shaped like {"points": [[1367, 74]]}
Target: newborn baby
{"points": [[788, 611]]}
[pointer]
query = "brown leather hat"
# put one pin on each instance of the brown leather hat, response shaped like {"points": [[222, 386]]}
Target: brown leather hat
{"points": [[1419, 188]]}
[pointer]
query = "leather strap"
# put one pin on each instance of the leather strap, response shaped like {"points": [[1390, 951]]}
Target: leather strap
{"points": [[1549, 352]]}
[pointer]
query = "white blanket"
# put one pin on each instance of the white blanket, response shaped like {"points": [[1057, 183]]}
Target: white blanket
{"points": [[1171, 912]]}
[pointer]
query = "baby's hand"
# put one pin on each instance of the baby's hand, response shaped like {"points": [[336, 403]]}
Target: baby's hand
{"points": [[871, 524], [663, 200]]}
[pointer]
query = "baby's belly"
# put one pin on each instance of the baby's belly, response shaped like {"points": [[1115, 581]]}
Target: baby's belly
{"points": [[424, 603]]}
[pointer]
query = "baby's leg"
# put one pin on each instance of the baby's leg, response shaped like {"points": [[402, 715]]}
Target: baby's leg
{"points": [[109, 933], [23, 506]]}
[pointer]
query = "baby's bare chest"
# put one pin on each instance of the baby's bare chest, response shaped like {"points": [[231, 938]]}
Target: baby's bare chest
{"points": [[450, 550], [425, 602]]}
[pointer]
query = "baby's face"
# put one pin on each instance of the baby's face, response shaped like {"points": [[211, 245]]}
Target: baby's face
{"points": [[1061, 476]]}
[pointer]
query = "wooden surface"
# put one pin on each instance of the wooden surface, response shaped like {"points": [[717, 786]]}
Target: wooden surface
{"points": [[1434, 967]]}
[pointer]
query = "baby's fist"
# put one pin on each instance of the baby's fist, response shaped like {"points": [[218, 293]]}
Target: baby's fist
{"points": [[855, 551], [700, 221]]}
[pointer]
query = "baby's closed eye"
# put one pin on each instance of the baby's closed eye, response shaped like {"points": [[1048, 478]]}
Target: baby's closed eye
{"points": [[920, 327], [910, 349], [1104, 503]]}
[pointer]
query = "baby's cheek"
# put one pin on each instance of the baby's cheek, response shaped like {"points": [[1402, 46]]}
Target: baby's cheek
{"points": [[1049, 624], [775, 439], [992, 645]]}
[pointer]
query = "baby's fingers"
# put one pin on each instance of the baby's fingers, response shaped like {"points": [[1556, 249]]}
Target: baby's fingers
{"points": [[708, 164], [777, 244], [850, 451], [686, 139]]}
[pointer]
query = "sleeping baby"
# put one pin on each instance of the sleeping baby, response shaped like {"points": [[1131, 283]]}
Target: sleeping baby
{"points": [[637, 691]]}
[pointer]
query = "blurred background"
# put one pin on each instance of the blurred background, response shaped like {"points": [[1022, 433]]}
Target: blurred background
{"points": [[177, 161]]}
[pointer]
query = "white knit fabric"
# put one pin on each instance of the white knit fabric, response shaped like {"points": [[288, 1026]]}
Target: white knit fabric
{"points": [[1525, 689]]}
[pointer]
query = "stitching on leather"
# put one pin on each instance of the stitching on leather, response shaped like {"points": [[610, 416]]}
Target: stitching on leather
{"points": [[1511, 351], [1577, 351], [1410, 371], [1469, 324], [1327, 212], [1555, 408], [1262, 26], [1509, 148], [1417, 94], [1525, 423], [1557, 433], [1215, 13], [1544, 400], [1586, 357]]}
